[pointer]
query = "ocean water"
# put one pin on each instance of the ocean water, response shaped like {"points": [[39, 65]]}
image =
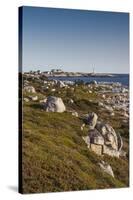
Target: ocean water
{"points": [[121, 78]]}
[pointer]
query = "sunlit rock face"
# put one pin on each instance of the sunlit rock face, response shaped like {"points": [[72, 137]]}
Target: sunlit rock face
{"points": [[54, 104], [103, 139]]}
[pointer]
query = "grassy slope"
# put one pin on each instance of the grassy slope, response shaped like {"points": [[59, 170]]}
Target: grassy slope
{"points": [[55, 158]]}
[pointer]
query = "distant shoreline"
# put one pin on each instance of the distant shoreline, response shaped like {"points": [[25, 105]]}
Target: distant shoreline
{"points": [[84, 75], [78, 73], [73, 74], [121, 78]]}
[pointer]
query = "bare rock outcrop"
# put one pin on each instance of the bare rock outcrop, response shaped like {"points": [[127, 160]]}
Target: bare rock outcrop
{"points": [[103, 139]]}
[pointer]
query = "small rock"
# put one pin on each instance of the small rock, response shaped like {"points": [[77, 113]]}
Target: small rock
{"points": [[100, 104], [53, 90], [82, 127], [26, 99], [33, 98], [122, 153], [106, 168], [71, 101], [92, 120], [72, 89], [75, 114], [87, 140], [94, 82], [29, 89], [103, 96], [124, 114], [60, 84], [90, 92], [108, 108], [43, 100], [112, 114]]}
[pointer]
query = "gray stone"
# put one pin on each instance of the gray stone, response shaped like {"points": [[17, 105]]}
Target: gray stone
{"points": [[100, 104], [92, 120], [120, 142], [71, 101], [53, 90], [109, 135], [26, 99], [104, 140], [43, 100], [108, 108], [75, 114], [60, 84], [103, 96], [87, 140], [106, 168], [122, 153], [29, 89], [94, 82], [33, 98], [96, 137], [54, 104], [112, 114], [90, 92], [82, 127]]}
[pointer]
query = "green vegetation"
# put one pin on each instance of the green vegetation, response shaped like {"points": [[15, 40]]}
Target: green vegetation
{"points": [[55, 157]]}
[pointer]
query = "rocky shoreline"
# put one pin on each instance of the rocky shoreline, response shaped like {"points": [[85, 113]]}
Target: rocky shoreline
{"points": [[60, 73]]}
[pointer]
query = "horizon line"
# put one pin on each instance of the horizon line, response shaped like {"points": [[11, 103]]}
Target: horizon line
{"points": [[79, 72]]}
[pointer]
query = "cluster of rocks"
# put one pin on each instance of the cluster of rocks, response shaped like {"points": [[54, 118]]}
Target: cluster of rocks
{"points": [[54, 85], [31, 91], [102, 138], [51, 103], [114, 98]]}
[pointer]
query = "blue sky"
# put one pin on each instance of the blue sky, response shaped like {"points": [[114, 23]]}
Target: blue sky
{"points": [[75, 40]]}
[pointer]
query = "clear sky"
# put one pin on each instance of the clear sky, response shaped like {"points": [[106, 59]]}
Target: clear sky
{"points": [[75, 40]]}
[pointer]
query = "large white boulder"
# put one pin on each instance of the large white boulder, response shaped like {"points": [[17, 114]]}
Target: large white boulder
{"points": [[54, 104]]}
